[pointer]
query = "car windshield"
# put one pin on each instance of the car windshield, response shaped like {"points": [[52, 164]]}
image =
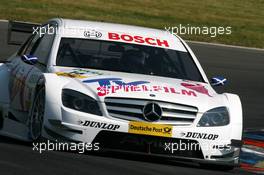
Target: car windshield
{"points": [[126, 57]]}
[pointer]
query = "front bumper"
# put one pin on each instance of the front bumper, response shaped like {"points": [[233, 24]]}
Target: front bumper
{"points": [[206, 145], [156, 146]]}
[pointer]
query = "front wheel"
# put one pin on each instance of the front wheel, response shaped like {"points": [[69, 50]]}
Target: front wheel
{"points": [[36, 117]]}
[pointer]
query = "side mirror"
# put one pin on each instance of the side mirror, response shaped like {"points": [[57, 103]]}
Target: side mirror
{"points": [[218, 81], [29, 59]]}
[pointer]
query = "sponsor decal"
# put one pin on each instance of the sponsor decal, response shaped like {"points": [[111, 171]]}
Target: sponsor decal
{"points": [[196, 87], [196, 135], [105, 90], [78, 73], [138, 39], [100, 125], [114, 85], [85, 71], [150, 129], [71, 75], [92, 34], [107, 82]]}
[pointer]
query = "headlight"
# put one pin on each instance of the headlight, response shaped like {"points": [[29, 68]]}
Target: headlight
{"points": [[80, 102], [215, 117]]}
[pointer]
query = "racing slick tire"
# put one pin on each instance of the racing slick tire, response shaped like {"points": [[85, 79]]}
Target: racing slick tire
{"points": [[36, 117]]}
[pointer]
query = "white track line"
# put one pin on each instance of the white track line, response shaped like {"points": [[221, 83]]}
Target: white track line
{"points": [[225, 45]]}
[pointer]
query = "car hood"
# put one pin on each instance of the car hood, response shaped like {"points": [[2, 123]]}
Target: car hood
{"points": [[101, 84]]}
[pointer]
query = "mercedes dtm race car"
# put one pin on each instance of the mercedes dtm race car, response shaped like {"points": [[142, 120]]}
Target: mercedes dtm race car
{"points": [[127, 88]]}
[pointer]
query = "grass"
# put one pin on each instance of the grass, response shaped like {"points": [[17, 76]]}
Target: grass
{"points": [[245, 17]]}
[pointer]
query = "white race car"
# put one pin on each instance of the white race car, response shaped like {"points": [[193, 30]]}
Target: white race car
{"points": [[127, 88]]}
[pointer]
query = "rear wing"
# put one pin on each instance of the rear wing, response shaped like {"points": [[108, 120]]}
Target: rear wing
{"points": [[18, 31]]}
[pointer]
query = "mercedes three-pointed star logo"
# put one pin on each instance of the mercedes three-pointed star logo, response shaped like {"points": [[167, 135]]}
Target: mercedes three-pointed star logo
{"points": [[152, 112]]}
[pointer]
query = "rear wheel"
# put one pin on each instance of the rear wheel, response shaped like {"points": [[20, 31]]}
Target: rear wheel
{"points": [[36, 117]]}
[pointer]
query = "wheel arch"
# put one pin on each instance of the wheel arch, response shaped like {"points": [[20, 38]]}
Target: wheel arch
{"points": [[236, 115], [53, 88]]}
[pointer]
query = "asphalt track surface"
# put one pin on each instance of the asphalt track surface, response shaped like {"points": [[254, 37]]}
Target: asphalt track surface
{"points": [[244, 69]]}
